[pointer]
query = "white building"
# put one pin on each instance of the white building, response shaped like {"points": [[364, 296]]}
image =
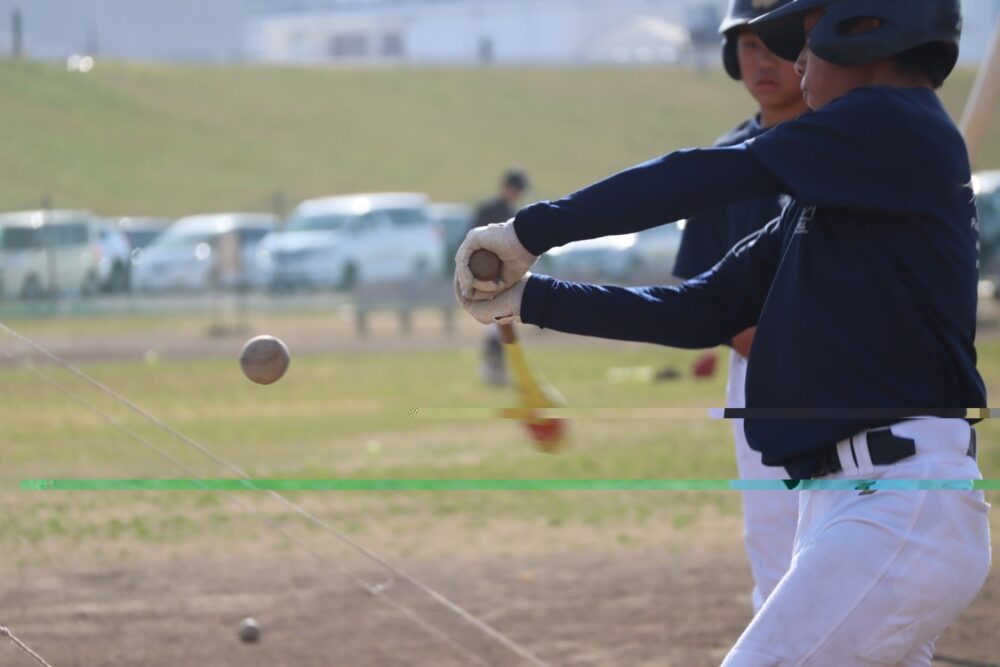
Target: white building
{"points": [[417, 31], [475, 31]]}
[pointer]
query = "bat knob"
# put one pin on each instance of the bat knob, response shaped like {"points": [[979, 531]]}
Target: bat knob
{"points": [[484, 265]]}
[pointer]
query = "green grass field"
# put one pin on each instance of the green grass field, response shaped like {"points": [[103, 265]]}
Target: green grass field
{"points": [[171, 140], [323, 422]]}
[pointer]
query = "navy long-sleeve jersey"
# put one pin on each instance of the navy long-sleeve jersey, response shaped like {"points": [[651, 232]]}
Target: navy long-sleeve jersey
{"points": [[863, 291], [710, 234]]}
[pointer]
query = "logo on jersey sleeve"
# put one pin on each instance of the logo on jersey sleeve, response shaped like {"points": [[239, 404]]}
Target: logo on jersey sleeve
{"points": [[975, 230], [968, 187], [804, 219]]}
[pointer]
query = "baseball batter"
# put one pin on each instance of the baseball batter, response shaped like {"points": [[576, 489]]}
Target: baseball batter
{"points": [[863, 292], [769, 517]]}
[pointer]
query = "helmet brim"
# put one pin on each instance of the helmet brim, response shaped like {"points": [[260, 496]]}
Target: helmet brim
{"points": [[782, 30], [731, 23]]}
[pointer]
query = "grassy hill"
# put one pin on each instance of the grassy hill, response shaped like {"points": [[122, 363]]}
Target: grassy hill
{"points": [[170, 140]]}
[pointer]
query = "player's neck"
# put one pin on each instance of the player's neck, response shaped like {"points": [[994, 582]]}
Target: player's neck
{"points": [[885, 73]]}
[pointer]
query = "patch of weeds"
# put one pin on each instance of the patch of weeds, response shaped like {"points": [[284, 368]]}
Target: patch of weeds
{"points": [[55, 527], [206, 499]]}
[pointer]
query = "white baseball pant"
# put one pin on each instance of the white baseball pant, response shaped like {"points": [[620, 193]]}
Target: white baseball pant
{"points": [[769, 517], [875, 577]]}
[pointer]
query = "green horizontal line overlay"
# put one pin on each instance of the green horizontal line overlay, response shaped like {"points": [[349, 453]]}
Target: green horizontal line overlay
{"points": [[503, 485]]}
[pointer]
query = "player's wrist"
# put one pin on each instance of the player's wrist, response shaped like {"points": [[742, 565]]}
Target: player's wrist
{"points": [[515, 247], [517, 296]]}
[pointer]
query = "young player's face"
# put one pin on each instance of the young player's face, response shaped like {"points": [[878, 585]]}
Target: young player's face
{"points": [[822, 80], [773, 82]]}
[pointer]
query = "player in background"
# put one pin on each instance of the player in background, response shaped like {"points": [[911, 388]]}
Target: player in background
{"points": [[769, 517], [513, 185], [864, 294]]}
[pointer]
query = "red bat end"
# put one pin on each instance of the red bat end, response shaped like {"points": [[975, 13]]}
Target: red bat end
{"points": [[704, 366], [547, 434]]}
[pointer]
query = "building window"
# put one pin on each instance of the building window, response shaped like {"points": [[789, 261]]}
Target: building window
{"points": [[392, 45], [485, 50], [297, 44], [348, 45]]}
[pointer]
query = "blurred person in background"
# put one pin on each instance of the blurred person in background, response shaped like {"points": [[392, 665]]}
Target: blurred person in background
{"points": [[769, 517], [513, 186]]}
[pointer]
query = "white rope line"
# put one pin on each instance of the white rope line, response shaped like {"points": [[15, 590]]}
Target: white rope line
{"points": [[4, 632], [375, 590], [465, 615]]}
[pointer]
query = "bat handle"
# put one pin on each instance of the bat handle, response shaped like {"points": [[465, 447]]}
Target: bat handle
{"points": [[485, 265], [507, 334]]}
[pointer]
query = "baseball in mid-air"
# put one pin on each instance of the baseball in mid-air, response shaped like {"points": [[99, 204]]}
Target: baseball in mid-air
{"points": [[264, 359]]}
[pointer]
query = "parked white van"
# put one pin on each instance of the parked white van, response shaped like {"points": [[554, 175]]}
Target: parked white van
{"points": [[345, 241], [49, 252], [202, 251]]}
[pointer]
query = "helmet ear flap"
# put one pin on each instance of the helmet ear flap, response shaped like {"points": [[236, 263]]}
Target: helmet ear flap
{"points": [[729, 58]]}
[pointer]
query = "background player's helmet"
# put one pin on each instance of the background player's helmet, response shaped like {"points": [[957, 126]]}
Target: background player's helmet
{"points": [[740, 13], [905, 24]]}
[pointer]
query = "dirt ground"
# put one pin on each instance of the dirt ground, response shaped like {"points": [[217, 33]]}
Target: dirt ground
{"points": [[682, 606], [619, 608]]}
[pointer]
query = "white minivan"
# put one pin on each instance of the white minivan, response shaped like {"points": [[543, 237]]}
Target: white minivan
{"points": [[49, 252], [202, 251], [341, 242]]}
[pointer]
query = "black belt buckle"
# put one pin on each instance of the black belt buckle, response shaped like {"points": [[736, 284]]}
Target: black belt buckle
{"points": [[886, 447], [827, 463]]}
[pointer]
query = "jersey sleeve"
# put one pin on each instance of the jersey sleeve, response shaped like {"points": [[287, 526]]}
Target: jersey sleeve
{"points": [[672, 187], [855, 152], [702, 312]]}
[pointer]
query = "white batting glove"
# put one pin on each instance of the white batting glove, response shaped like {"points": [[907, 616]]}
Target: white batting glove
{"points": [[502, 308], [501, 240]]}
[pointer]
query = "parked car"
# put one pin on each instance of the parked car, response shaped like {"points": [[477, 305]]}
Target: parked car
{"points": [[455, 221], [203, 251], [607, 257], [140, 230], [49, 252], [646, 255], [655, 251], [341, 242], [986, 185]]}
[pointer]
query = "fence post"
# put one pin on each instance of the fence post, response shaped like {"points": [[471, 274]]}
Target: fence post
{"points": [[16, 33]]}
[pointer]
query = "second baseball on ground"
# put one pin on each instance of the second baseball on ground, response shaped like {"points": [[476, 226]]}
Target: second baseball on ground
{"points": [[264, 359]]}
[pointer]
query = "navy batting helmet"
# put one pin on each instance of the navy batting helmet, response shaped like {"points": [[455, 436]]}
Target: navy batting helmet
{"points": [[903, 25], [740, 13]]}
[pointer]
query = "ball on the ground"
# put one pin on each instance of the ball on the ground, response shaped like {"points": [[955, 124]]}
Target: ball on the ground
{"points": [[264, 359], [249, 630]]}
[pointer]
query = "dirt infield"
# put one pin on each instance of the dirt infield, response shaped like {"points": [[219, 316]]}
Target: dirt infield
{"points": [[580, 595], [619, 608]]}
